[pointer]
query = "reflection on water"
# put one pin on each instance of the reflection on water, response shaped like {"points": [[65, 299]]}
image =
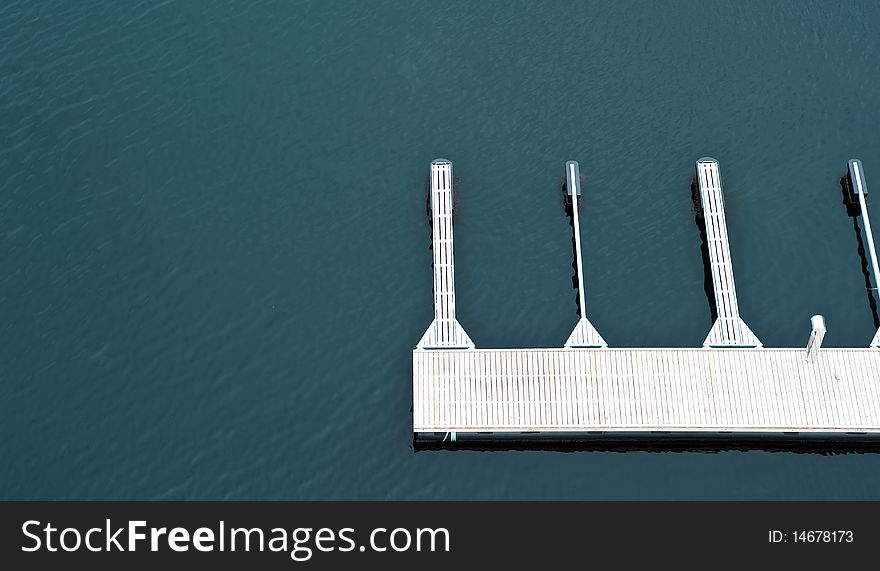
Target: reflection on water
{"points": [[854, 211]]}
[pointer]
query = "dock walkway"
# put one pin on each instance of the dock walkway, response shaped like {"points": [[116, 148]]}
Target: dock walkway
{"points": [[729, 330], [445, 331], [692, 390]]}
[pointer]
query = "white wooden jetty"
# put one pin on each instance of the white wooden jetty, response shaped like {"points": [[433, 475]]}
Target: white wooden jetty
{"points": [[729, 329], [732, 388], [631, 390], [445, 330]]}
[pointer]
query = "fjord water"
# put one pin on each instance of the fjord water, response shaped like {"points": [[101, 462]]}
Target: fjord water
{"points": [[215, 255]]}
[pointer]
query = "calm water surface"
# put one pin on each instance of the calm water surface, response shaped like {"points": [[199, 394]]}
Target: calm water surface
{"points": [[215, 253]]}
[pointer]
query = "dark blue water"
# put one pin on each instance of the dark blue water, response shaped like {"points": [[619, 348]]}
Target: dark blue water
{"points": [[215, 256]]}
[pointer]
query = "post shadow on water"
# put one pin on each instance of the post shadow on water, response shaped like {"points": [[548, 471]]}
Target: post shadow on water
{"points": [[567, 205], [700, 221], [456, 181], [854, 211]]}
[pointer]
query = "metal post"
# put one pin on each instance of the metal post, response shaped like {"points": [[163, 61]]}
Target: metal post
{"points": [[816, 336], [573, 176], [866, 222], [584, 334]]}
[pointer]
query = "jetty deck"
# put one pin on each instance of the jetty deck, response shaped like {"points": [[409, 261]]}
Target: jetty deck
{"points": [[631, 390], [731, 389]]}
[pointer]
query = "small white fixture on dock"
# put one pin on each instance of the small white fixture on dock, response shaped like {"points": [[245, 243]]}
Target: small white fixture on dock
{"points": [[817, 335]]}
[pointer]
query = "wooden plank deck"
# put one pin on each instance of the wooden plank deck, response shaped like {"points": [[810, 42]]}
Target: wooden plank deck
{"points": [[633, 390], [729, 330]]}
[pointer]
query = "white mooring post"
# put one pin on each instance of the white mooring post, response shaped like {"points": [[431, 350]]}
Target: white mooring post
{"points": [[816, 336], [584, 334]]}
